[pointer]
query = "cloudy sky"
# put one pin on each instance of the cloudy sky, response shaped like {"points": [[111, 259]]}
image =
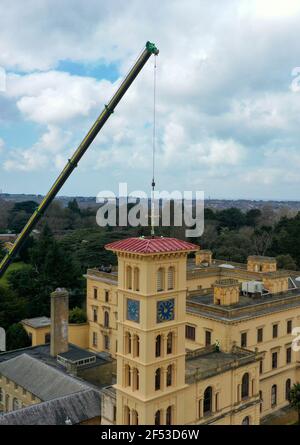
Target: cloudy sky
{"points": [[228, 95]]}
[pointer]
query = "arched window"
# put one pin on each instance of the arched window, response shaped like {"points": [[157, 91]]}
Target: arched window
{"points": [[160, 279], [169, 413], [128, 343], [135, 417], [127, 375], [106, 341], [157, 379], [288, 384], [207, 401], [136, 279], [171, 278], [7, 403], [136, 345], [129, 277], [1, 395], [246, 421], [157, 417], [158, 346], [136, 379], [95, 315], [106, 319], [274, 395], [15, 404], [245, 385], [126, 415], [260, 401], [170, 343], [169, 375]]}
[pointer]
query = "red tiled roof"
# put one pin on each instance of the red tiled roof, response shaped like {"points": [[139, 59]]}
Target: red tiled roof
{"points": [[151, 245]]}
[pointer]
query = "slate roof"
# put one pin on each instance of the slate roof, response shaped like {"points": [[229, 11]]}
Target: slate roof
{"points": [[37, 322], [77, 408], [44, 381], [148, 245]]}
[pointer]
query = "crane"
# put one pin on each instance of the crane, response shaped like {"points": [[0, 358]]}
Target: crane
{"points": [[72, 163]]}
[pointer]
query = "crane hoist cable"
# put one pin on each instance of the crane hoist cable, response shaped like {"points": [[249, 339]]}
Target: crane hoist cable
{"points": [[153, 149]]}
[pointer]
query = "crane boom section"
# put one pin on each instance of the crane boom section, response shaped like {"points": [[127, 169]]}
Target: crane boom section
{"points": [[82, 148]]}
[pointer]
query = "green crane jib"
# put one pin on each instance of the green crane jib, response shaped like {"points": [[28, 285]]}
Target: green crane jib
{"points": [[72, 163]]}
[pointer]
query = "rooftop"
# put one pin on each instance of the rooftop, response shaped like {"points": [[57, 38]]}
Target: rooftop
{"points": [[44, 381], [247, 307], [77, 408], [148, 245], [206, 362], [37, 322]]}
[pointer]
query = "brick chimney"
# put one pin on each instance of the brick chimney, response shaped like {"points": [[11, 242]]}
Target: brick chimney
{"points": [[59, 322]]}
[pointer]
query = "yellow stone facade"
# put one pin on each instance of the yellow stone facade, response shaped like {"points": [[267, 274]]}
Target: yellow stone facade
{"points": [[263, 328]]}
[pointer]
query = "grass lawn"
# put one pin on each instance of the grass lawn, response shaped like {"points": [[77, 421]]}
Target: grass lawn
{"points": [[14, 266]]}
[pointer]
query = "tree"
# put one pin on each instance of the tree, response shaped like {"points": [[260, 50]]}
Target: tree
{"points": [[19, 215], [286, 262], [252, 217], [77, 315], [17, 337], [231, 218], [295, 398], [73, 206], [262, 240]]}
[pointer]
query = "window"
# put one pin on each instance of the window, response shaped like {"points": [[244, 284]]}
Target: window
{"points": [[129, 277], [275, 330], [244, 339], [170, 343], [169, 415], [114, 413], [289, 326], [288, 355], [246, 421], [136, 279], [128, 343], [190, 332], [260, 335], [274, 360], [136, 379], [207, 338], [157, 379], [95, 339], [288, 385], [157, 417], [260, 401], [95, 315], [245, 386], [106, 296], [207, 401], [135, 417], [47, 337], [261, 366], [274, 396], [15, 404], [106, 319], [127, 375], [160, 279], [169, 375], [126, 415], [136, 346], [95, 293], [106, 341], [158, 346], [171, 278], [30, 337], [1, 395]]}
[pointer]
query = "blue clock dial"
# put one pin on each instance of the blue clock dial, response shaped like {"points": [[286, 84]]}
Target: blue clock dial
{"points": [[165, 310], [133, 310]]}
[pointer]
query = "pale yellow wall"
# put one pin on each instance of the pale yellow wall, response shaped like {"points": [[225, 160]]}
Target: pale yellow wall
{"points": [[111, 306], [37, 334], [79, 334], [228, 387], [10, 391]]}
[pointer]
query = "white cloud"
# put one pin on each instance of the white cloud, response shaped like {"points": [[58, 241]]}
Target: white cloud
{"points": [[44, 153]]}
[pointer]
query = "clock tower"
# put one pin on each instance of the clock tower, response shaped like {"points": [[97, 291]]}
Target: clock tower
{"points": [[151, 330]]}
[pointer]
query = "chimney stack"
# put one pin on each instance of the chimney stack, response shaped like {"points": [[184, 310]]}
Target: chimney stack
{"points": [[59, 322]]}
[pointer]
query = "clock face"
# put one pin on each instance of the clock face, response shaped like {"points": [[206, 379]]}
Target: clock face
{"points": [[165, 310], [133, 310]]}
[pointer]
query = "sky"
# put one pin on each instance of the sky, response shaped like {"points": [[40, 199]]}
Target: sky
{"points": [[228, 96]]}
